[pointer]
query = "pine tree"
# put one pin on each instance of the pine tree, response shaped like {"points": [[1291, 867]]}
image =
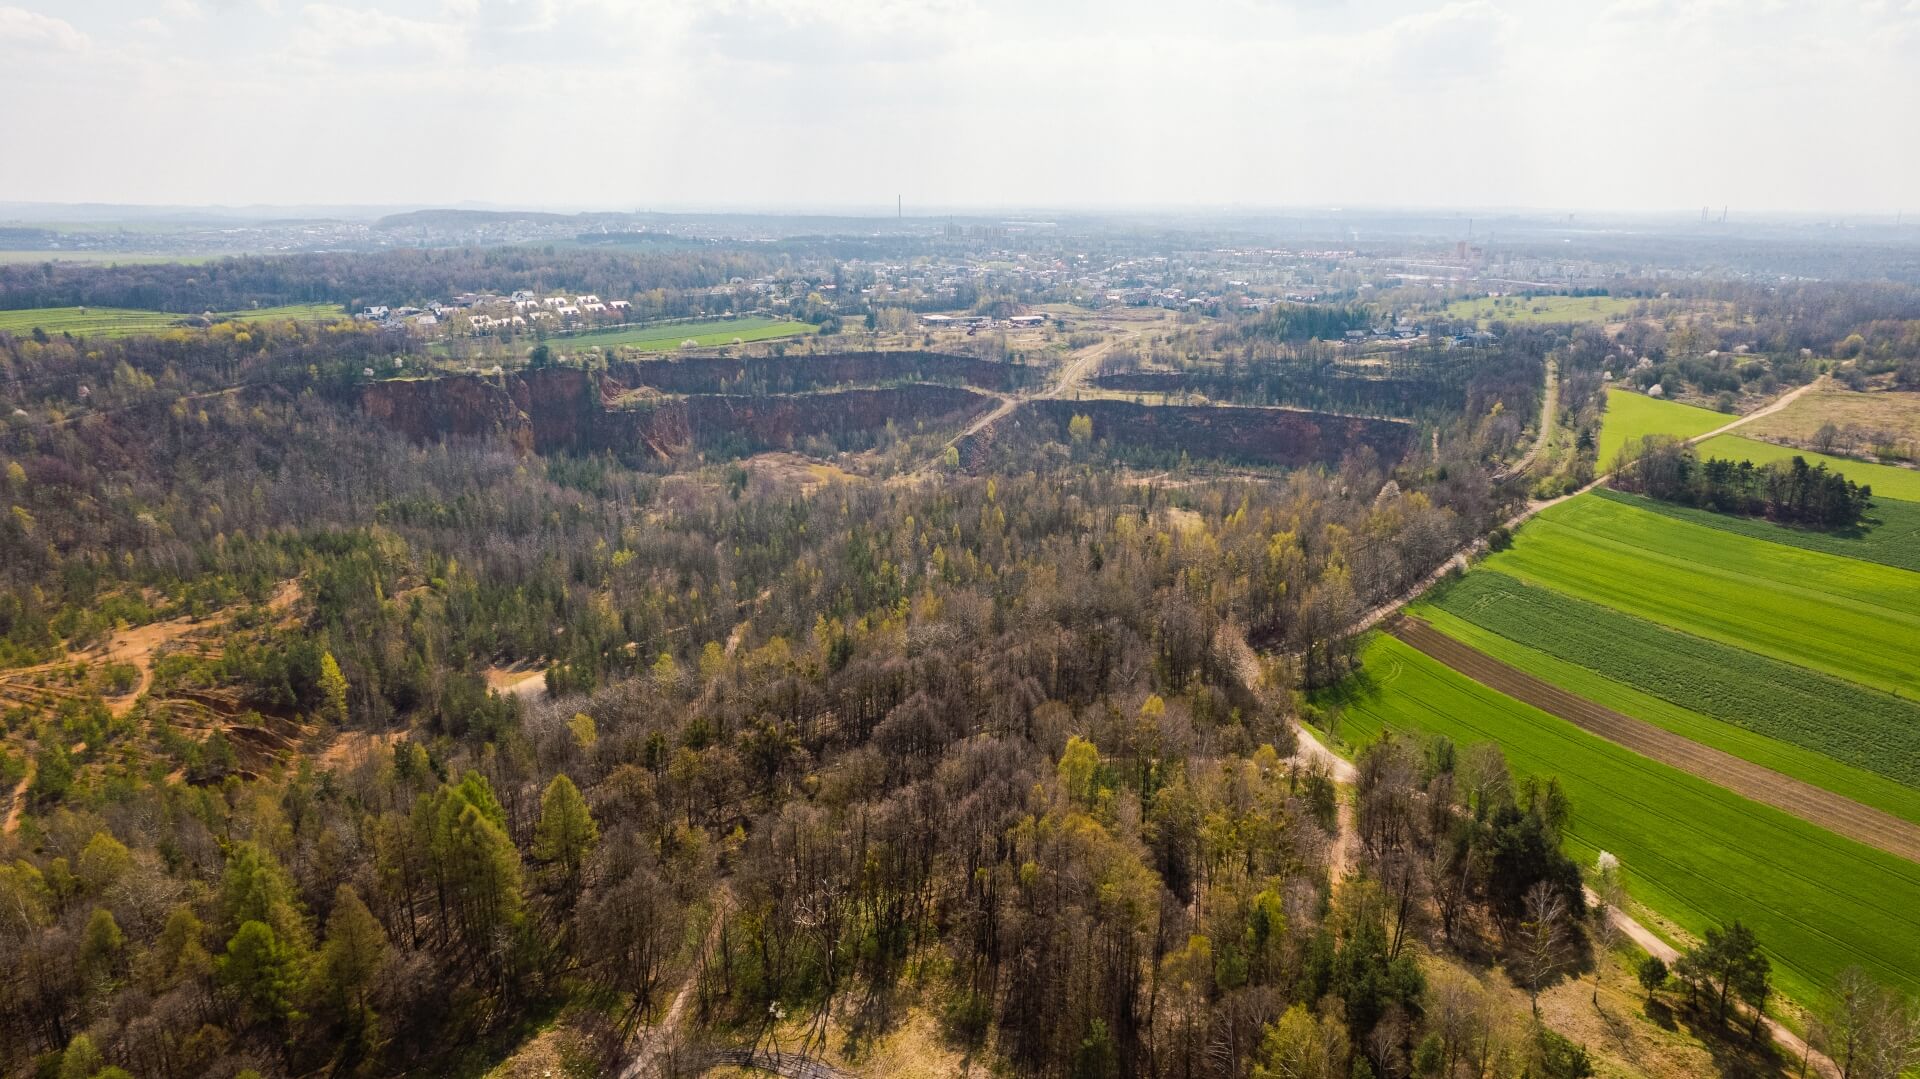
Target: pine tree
{"points": [[355, 949], [566, 832], [333, 690]]}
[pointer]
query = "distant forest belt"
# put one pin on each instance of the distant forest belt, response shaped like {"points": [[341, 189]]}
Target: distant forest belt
{"points": [[1842, 816]]}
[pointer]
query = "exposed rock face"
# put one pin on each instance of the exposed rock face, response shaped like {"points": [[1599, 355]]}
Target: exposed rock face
{"points": [[1268, 436], [429, 409], [568, 409]]}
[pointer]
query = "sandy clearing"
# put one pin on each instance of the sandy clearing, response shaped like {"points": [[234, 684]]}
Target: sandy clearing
{"points": [[517, 680]]}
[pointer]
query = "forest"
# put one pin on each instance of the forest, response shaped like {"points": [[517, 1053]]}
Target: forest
{"points": [[1789, 491], [994, 746]]}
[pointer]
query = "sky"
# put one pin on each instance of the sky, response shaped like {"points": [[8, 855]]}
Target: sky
{"points": [[1631, 105]]}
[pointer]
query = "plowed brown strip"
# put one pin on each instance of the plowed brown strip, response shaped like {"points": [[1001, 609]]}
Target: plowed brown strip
{"points": [[1837, 814]]}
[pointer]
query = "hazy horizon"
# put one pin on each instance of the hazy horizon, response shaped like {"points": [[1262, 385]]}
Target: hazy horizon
{"points": [[1642, 107]]}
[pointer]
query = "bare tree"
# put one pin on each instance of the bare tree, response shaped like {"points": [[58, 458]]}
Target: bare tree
{"points": [[1609, 889], [1870, 1031], [1540, 952]]}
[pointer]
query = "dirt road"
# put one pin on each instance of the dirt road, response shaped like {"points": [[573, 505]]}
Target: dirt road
{"points": [[1070, 377], [1764, 410], [1796, 1047], [19, 801], [1549, 397], [1842, 816], [656, 1046], [1464, 557]]}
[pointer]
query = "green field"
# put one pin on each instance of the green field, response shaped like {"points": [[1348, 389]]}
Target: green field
{"points": [[669, 337], [124, 322], [1888, 481], [1712, 693], [1633, 416], [1545, 308], [1692, 851], [1891, 536], [109, 258], [1855, 620]]}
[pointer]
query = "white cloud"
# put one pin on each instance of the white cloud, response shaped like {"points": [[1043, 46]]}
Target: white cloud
{"points": [[1635, 104], [23, 29]]}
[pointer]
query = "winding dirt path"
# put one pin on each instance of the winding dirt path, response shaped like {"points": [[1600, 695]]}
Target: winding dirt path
{"points": [[1816, 805], [1767, 409], [19, 801], [1549, 397], [656, 1046], [1796, 1047]]}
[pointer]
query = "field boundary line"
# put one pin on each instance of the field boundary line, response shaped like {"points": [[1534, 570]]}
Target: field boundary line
{"points": [[1815, 805]]}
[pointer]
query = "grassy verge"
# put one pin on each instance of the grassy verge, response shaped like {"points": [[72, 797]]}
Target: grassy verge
{"points": [[1633, 416], [125, 322], [1891, 538], [669, 337], [1888, 481]]}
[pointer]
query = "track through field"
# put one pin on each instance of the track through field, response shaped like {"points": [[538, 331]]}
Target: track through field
{"points": [[1837, 814]]}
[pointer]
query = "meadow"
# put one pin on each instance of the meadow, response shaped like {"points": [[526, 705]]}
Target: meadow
{"points": [[1888, 481], [665, 338], [1891, 536], [125, 322], [1633, 416], [1702, 686], [1855, 620], [1693, 852], [1896, 412], [1546, 308]]}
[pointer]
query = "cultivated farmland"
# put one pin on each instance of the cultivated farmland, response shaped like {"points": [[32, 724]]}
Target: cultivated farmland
{"points": [[1891, 538], [1873, 731], [1834, 812], [1633, 416], [1855, 620], [1694, 852], [666, 338], [1888, 481]]}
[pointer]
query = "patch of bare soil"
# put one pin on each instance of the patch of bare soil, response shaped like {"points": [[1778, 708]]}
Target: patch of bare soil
{"points": [[352, 747], [520, 680], [784, 470], [18, 802]]}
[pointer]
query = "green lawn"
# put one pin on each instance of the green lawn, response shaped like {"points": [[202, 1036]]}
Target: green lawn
{"points": [[124, 322], [1856, 742], [1692, 851], [1891, 536], [1633, 416], [1855, 620], [1888, 481], [1545, 308], [669, 337]]}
